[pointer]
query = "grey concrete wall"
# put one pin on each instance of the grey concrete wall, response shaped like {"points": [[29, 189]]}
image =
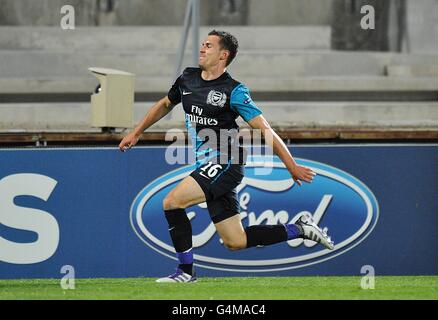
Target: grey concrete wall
{"points": [[151, 12], [168, 12], [132, 12], [26, 64], [77, 116], [172, 12], [273, 85], [289, 12], [422, 26], [45, 12], [159, 38], [347, 33]]}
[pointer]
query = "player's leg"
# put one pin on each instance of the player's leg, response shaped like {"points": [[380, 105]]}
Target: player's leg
{"points": [[223, 212], [185, 194], [200, 186], [224, 207], [236, 237], [232, 232]]}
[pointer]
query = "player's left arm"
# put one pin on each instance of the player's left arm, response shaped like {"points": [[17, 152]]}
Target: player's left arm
{"points": [[242, 103], [299, 173]]}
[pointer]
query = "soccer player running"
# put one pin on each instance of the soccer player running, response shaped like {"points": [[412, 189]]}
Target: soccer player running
{"points": [[212, 100]]}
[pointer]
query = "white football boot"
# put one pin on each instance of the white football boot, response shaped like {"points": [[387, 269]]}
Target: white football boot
{"points": [[313, 232], [177, 277]]}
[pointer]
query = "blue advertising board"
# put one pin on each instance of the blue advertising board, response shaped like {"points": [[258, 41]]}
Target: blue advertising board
{"points": [[100, 211]]}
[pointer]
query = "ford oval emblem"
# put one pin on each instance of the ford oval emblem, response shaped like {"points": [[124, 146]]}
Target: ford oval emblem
{"points": [[337, 200]]}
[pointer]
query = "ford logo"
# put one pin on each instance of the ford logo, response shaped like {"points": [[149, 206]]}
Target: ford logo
{"points": [[337, 201]]}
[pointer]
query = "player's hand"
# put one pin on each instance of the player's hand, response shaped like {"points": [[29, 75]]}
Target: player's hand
{"points": [[301, 173], [128, 142]]}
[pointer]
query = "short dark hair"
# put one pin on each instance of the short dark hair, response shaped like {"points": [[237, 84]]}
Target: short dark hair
{"points": [[228, 42]]}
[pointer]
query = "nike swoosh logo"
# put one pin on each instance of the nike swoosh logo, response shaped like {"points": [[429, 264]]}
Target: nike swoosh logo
{"points": [[200, 173], [186, 93]]}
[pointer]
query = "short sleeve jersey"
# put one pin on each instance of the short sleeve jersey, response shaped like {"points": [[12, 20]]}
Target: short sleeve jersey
{"points": [[211, 109]]}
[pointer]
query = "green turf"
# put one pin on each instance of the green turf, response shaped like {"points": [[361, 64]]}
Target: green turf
{"points": [[272, 288]]}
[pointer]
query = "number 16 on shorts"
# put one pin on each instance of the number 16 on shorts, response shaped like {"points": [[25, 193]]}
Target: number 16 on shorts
{"points": [[210, 171]]}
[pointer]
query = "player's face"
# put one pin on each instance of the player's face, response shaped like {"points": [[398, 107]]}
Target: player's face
{"points": [[211, 54]]}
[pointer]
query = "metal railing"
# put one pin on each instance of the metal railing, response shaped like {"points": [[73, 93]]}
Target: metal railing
{"points": [[192, 17]]}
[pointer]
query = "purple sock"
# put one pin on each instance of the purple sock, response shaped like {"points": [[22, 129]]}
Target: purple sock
{"points": [[293, 231], [185, 257]]}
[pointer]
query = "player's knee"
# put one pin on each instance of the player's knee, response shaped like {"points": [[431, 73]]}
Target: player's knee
{"points": [[234, 244], [170, 202]]}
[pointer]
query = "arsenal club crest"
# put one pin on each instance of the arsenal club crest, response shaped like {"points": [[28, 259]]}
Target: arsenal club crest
{"points": [[216, 98]]}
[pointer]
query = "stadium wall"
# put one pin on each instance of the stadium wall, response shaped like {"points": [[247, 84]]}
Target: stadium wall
{"points": [[171, 12], [99, 211]]}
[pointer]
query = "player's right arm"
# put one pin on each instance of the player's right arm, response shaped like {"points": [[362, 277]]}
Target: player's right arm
{"points": [[158, 111]]}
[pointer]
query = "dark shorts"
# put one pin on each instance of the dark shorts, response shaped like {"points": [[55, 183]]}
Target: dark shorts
{"points": [[219, 184]]}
